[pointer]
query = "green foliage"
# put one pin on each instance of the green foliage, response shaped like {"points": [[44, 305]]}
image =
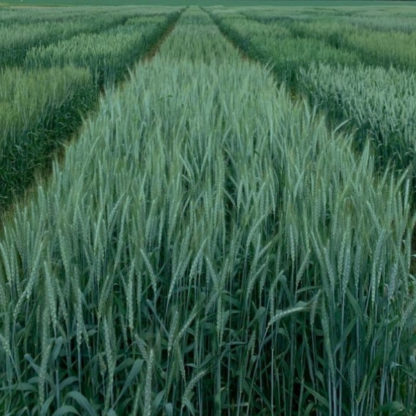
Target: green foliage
{"points": [[350, 30], [11, 16], [23, 15], [41, 108], [274, 44], [17, 39], [106, 54], [38, 110], [319, 58], [380, 103], [398, 47], [209, 247], [390, 17], [203, 3]]}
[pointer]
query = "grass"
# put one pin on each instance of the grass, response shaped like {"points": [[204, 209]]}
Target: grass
{"points": [[231, 257]]}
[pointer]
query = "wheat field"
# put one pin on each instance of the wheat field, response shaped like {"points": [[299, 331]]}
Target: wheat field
{"points": [[200, 216]]}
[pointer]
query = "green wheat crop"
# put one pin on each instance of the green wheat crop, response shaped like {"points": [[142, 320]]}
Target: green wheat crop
{"points": [[379, 103], [41, 108], [274, 44], [37, 112], [208, 247], [17, 39], [106, 54]]}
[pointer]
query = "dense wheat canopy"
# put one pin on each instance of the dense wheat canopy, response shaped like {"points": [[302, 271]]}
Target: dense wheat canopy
{"points": [[221, 236]]}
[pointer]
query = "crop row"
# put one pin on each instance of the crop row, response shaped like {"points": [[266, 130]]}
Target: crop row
{"points": [[392, 19], [378, 102], [231, 256], [360, 34], [33, 15], [11, 16], [17, 39], [274, 43], [39, 108], [106, 54], [398, 48]]}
